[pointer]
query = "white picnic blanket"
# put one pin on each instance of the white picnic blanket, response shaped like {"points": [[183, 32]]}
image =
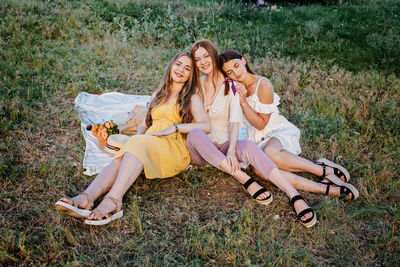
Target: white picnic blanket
{"points": [[100, 108]]}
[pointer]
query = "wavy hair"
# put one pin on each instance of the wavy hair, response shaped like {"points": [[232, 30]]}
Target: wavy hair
{"points": [[184, 98]]}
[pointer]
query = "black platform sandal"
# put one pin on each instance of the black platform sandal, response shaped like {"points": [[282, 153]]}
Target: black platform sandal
{"points": [[309, 222], [345, 188], [338, 170], [264, 201]]}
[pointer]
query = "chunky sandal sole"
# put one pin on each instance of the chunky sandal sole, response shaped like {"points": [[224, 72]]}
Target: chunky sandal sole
{"points": [[334, 165], [310, 224], [265, 201], [68, 209], [113, 217], [337, 181]]}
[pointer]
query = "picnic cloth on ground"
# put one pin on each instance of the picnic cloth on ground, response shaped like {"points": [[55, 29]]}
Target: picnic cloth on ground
{"points": [[98, 109]]}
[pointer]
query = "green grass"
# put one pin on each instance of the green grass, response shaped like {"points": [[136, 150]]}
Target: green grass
{"points": [[335, 68]]}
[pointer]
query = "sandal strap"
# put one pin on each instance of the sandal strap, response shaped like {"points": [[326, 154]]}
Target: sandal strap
{"points": [[100, 214], [323, 182], [248, 183], [336, 171], [295, 198], [304, 212], [259, 192], [339, 173], [88, 199], [116, 202], [344, 191], [323, 168], [328, 185]]}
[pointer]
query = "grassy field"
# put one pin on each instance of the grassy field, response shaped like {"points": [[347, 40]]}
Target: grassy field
{"points": [[336, 68]]}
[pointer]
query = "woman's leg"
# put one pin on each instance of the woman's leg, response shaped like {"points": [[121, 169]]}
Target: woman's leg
{"points": [[202, 150], [100, 185], [304, 184], [290, 162], [301, 183], [128, 172], [248, 151]]}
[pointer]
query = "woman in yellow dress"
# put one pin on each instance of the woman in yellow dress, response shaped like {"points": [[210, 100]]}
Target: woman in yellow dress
{"points": [[158, 148]]}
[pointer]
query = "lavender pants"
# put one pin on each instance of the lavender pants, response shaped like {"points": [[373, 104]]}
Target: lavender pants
{"points": [[203, 151]]}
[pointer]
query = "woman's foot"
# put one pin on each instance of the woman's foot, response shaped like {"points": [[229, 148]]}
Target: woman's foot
{"points": [[329, 167], [336, 191], [78, 206], [303, 211], [108, 210], [82, 201], [336, 187], [259, 193], [300, 206]]}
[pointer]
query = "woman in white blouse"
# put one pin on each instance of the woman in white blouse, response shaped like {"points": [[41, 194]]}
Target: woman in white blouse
{"points": [[221, 147], [279, 138]]}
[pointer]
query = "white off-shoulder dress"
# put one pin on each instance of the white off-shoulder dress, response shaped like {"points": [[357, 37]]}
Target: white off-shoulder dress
{"points": [[278, 126]]}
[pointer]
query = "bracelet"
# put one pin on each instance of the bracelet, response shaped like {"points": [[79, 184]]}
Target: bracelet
{"points": [[176, 128]]}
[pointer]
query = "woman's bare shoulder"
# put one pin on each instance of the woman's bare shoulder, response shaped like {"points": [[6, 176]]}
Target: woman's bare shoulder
{"points": [[265, 91]]}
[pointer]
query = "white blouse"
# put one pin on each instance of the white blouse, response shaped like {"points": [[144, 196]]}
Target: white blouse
{"points": [[224, 109]]}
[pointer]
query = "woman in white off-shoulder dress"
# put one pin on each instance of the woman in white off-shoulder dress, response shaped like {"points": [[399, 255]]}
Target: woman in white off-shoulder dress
{"points": [[276, 136], [277, 127]]}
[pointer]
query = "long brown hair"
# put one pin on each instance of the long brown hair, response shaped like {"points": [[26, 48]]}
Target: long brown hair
{"points": [[213, 52], [228, 55], [184, 98]]}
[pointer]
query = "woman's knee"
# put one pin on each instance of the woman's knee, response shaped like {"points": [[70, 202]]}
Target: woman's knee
{"points": [[246, 145], [272, 152]]}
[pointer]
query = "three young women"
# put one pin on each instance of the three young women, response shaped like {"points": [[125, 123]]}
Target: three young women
{"points": [[158, 148], [173, 108], [279, 138]]}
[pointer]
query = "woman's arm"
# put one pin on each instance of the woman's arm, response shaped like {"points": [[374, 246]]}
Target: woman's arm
{"points": [[202, 121], [235, 120], [142, 128], [201, 118], [266, 96], [233, 135], [231, 154]]}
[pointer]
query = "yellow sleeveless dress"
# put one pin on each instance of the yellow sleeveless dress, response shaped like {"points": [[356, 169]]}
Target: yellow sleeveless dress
{"points": [[163, 156]]}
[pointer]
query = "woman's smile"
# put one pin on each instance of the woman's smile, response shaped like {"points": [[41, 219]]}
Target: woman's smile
{"points": [[178, 74], [204, 67]]}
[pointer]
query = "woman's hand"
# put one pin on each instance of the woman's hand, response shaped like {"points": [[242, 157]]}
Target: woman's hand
{"points": [[166, 131], [232, 160], [241, 89]]}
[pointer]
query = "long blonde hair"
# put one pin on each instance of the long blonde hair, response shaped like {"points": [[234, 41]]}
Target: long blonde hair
{"points": [[184, 98]]}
